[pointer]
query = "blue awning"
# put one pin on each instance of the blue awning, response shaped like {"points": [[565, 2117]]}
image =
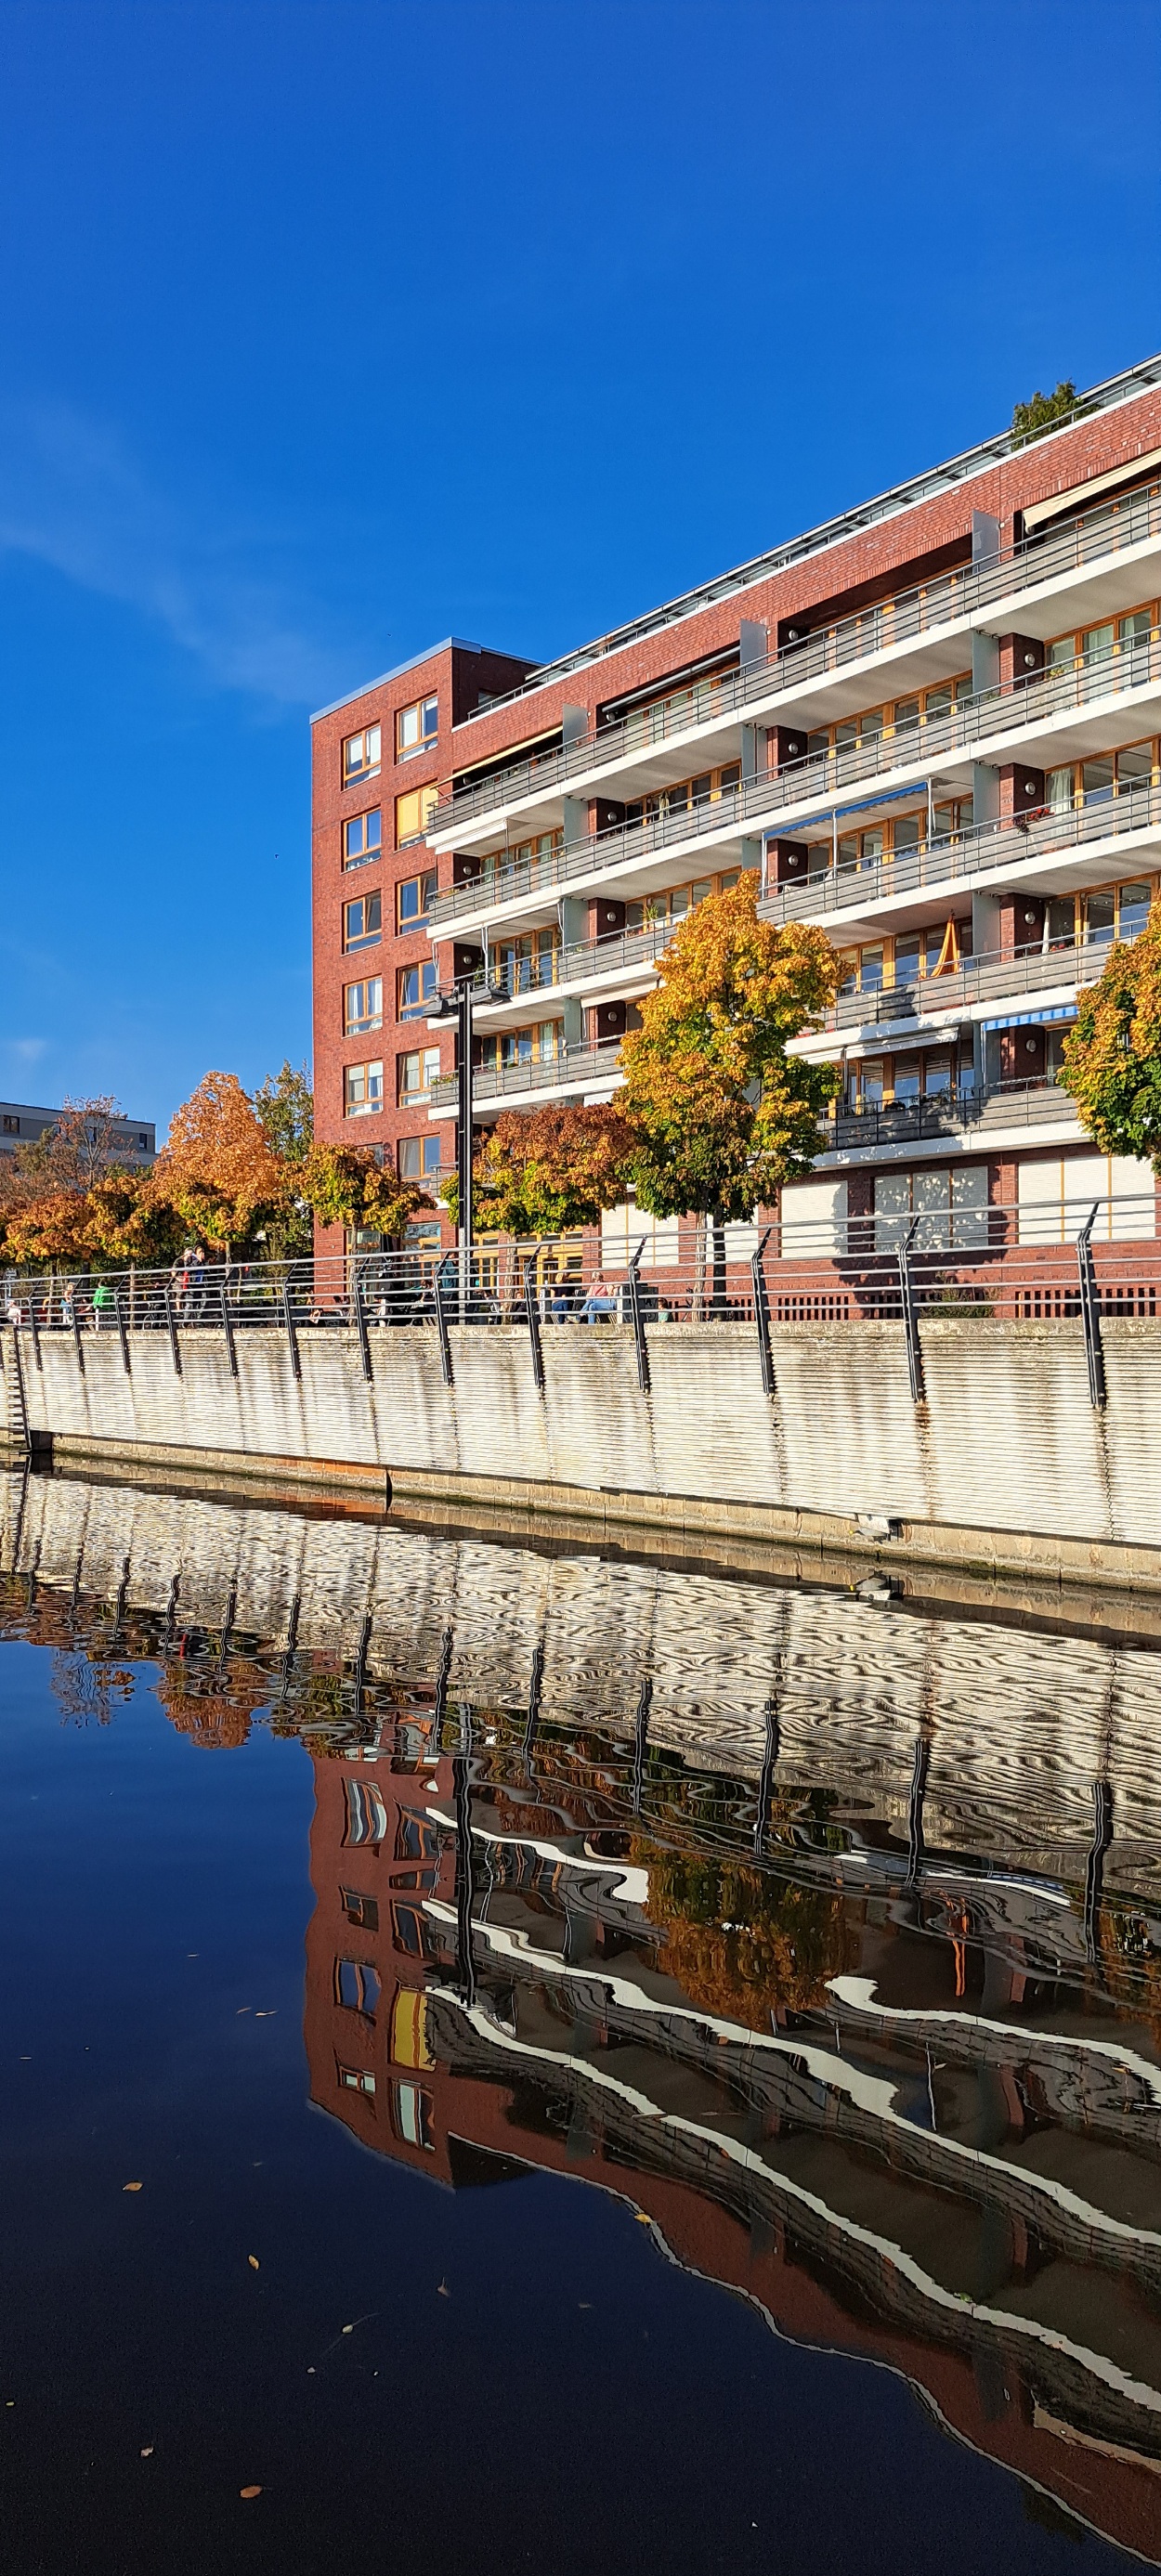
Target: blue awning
{"points": [[1031, 1019], [839, 813]]}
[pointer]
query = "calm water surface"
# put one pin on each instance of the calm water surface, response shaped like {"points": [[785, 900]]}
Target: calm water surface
{"points": [[529, 2060]]}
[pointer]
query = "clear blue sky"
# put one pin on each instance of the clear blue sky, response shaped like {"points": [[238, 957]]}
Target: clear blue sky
{"points": [[330, 330]]}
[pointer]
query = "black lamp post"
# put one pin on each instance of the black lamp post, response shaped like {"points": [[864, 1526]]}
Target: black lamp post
{"points": [[457, 1005]]}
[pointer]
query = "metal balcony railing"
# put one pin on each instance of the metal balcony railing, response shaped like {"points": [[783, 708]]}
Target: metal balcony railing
{"points": [[575, 963], [991, 977], [991, 716], [911, 1122], [572, 1069], [911, 614], [857, 885]]}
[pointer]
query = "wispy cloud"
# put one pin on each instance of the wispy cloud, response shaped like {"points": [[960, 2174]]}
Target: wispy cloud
{"points": [[27, 1050], [72, 496]]}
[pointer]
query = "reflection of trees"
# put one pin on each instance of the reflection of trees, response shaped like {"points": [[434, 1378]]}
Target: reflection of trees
{"points": [[87, 1691], [741, 1942], [1131, 1962], [213, 1708]]}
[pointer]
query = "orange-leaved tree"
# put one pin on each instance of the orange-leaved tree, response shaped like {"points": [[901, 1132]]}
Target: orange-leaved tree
{"points": [[551, 1170], [722, 1115], [48, 1232], [128, 1220], [345, 1185], [218, 1167]]}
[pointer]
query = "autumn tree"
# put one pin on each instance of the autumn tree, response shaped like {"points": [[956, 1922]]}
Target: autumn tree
{"points": [[1112, 1058], [127, 1220], [721, 1114], [346, 1185], [48, 1232], [83, 1144], [218, 1167], [544, 1173], [285, 1106]]}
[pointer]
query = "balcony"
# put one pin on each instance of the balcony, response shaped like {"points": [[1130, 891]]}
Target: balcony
{"points": [[578, 1068], [1120, 683], [951, 1115], [989, 848], [585, 962], [988, 978], [912, 616]]}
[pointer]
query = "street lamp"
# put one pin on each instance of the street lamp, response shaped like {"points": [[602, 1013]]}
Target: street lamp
{"points": [[457, 1006]]}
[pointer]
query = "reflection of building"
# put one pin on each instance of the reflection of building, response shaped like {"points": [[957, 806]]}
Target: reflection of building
{"points": [[949, 2166]]}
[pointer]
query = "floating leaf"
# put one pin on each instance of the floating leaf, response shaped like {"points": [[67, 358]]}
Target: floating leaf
{"points": [[253, 2262], [247, 2492], [643, 2218], [147, 2453], [131, 2186], [348, 2329]]}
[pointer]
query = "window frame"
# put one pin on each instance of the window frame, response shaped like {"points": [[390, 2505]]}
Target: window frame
{"points": [[369, 1106], [427, 736], [354, 774], [364, 938], [365, 857], [370, 1017]]}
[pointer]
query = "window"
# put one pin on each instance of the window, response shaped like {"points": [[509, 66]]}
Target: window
{"points": [[412, 812], [415, 1075], [366, 1812], [531, 960], [363, 921], [356, 1987], [409, 2046], [362, 1911], [362, 1090], [362, 838], [414, 899], [952, 1208], [363, 1006], [416, 727], [415, 1839], [12, 1125], [687, 799], [361, 755], [356, 2079], [414, 2116], [418, 989], [1095, 782], [419, 1158], [539, 1045]]}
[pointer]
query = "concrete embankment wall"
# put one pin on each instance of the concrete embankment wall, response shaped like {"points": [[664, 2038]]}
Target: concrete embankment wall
{"points": [[1005, 1463]]}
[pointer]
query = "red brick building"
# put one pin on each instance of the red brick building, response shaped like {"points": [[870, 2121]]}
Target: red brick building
{"points": [[934, 725]]}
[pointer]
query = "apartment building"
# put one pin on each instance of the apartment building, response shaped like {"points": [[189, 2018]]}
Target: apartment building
{"points": [[134, 1140], [932, 724]]}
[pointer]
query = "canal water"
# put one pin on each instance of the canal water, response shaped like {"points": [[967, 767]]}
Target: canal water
{"points": [[516, 2057]]}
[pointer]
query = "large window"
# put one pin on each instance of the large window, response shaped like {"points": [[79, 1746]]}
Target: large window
{"points": [[366, 1812], [362, 1090], [361, 754], [539, 1045], [1097, 782], [418, 988], [687, 798], [356, 1986], [952, 1208], [416, 727], [415, 1075], [362, 838], [414, 897], [419, 1158], [363, 1007], [412, 813], [363, 921]]}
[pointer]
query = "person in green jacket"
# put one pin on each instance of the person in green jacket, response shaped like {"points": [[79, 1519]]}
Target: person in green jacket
{"points": [[104, 1304]]}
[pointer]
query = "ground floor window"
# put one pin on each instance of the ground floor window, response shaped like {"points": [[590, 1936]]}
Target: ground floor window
{"points": [[952, 1208], [1054, 1193]]}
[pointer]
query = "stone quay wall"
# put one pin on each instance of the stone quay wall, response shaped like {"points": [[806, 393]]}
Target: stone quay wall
{"points": [[1004, 1463]]}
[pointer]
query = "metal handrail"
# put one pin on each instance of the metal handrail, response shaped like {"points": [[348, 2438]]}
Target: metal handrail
{"points": [[992, 714], [974, 852], [990, 977], [911, 613], [952, 1113], [570, 1069]]}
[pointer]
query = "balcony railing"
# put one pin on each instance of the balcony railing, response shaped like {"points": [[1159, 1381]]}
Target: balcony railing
{"points": [[991, 977], [910, 1122], [911, 614], [860, 884], [990, 716], [571, 1070], [576, 963]]}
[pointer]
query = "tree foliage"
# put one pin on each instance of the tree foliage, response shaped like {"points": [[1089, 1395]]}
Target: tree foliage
{"points": [[345, 1185], [49, 1229], [127, 1219], [721, 1114], [285, 1107], [1031, 419], [218, 1167], [548, 1172], [1112, 1058], [77, 1151]]}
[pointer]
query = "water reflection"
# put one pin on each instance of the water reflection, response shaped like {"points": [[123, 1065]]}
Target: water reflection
{"points": [[826, 1930]]}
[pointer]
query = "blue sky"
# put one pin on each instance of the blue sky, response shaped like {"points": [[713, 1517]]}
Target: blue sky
{"points": [[330, 330]]}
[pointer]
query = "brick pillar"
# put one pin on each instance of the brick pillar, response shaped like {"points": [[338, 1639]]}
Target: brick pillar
{"points": [[1021, 658], [1002, 1198], [1021, 791]]}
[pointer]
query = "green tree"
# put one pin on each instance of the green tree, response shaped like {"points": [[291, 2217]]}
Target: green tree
{"points": [[1112, 1058], [285, 1107], [1031, 419], [721, 1114]]}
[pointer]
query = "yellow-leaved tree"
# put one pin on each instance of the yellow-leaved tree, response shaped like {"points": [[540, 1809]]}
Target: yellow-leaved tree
{"points": [[218, 1166], [721, 1114]]}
